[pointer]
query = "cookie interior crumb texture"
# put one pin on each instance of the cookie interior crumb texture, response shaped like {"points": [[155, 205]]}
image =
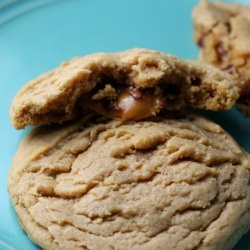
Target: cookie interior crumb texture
{"points": [[129, 85], [222, 30], [156, 184]]}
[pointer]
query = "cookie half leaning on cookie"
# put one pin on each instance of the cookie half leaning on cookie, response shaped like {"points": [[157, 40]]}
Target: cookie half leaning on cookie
{"points": [[165, 184], [129, 85], [222, 30]]}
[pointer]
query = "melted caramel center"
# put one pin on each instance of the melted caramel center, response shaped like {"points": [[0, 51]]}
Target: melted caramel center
{"points": [[136, 109], [126, 107]]}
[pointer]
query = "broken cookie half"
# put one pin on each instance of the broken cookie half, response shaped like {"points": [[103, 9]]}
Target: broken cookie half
{"points": [[129, 85], [222, 30]]}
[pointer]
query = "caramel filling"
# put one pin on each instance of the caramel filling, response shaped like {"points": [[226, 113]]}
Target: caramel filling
{"points": [[136, 109], [128, 105]]}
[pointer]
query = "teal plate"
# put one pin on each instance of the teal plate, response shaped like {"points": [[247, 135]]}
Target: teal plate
{"points": [[36, 36]]}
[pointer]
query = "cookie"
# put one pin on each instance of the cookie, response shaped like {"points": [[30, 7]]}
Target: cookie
{"points": [[129, 85], [156, 184], [222, 30]]}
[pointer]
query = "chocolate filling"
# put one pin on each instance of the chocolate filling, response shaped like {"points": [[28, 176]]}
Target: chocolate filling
{"points": [[130, 104], [114, 100], [221, 52], [115, 95], [229, 69]]}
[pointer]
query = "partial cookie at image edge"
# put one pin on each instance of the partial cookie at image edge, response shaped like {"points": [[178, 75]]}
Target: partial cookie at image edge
{"points": [[222, 31]]}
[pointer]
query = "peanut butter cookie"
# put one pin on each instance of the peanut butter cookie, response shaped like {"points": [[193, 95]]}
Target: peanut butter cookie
{"points": [[129, 85], [222, 30], [171, 184]]}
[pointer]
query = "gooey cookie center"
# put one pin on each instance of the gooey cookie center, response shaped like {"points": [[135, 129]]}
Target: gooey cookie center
{"points": [[127, 104]]}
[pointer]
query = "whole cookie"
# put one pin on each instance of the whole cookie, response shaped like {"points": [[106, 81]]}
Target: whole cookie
{"points": [[157, 184], [222, 30], [130, 85]]}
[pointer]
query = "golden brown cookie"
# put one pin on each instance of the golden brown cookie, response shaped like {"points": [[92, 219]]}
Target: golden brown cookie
{"points": [[129, 85], [170, 184], [222, 30]]}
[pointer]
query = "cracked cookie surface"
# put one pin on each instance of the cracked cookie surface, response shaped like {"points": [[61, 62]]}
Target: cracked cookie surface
{"points": [[222, 30], [174, 184], [130, 85]]}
